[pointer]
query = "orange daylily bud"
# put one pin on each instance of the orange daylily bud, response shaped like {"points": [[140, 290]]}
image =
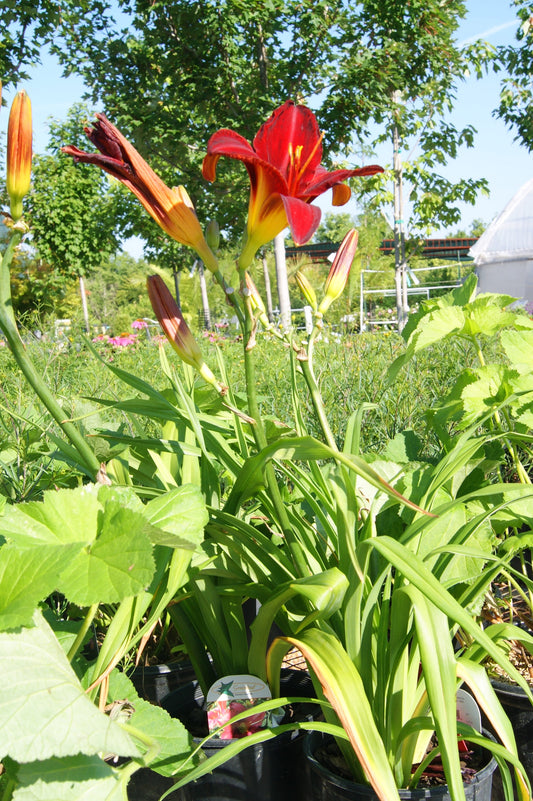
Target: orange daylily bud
{"points": [[307, 290], [172, 209], [19, 152], [176, 329], [340, 270]]}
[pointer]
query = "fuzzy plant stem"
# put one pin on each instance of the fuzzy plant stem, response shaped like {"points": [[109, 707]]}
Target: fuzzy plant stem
{"points": [[293, 543], [8, 326]]}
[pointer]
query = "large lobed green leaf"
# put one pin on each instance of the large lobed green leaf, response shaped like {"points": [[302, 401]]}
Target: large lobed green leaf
{"points": [[79, 778], [44, 711], [103, 532]]}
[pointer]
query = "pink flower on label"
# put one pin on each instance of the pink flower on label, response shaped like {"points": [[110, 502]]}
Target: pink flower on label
{"points": [[251, 724], [221, 713]]}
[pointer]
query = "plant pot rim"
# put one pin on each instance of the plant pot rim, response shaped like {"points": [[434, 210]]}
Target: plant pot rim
{"points": [[416, 793]]}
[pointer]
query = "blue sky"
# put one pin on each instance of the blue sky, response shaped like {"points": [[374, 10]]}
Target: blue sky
{"points": [[495, 155]]}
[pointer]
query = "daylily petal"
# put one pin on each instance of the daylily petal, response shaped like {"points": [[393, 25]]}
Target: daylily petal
{"points": [[225, 143], [325, 180], [19, 152], [340, 194], [303, 219], [176, 329], [170, 208], [290, 133], [266, 212]]}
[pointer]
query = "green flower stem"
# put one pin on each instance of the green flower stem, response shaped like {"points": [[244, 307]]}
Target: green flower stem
{"points": [[258, 430], [317, 328], [85, 626], [5, 276], [231, 296], [9, 789], [316, 399], [520, 469], [8, 326]]}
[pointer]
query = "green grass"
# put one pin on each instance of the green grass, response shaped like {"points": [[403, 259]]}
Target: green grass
{"points": [[351, 370]]}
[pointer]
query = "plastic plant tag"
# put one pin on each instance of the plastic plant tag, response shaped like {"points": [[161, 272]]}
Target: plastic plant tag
{"points": [[468, 710], [231, 695]]}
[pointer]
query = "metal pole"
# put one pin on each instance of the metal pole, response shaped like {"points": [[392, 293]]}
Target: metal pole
{"points": [[400, 279]]}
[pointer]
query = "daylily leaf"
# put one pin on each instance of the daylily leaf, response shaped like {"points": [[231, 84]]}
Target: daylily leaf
{"points": [[250, 479], [46, 712]]}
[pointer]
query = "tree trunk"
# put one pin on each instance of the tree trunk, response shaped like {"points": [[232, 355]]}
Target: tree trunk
{"points": [[268, 289], [205, 300], [84, 304], [282, 281]]}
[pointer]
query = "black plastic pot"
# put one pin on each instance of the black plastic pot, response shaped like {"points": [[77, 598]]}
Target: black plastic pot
{"points": [[519, 710], [270, 771], [154, 682], [324, 785]]}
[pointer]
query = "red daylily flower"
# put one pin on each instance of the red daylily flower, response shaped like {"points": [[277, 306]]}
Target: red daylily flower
{"points": [[172, 209], [285, 175]]}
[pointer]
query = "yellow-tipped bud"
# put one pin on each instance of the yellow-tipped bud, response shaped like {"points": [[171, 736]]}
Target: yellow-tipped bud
{"points": [[257, 301], [307, 290], [176, 329], [255, 297], [212, 235], [19, 152], [340, 270]]}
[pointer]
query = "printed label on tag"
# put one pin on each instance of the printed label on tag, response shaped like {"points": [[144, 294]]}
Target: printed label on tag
{"points": [[468, 710], [231, 695]]}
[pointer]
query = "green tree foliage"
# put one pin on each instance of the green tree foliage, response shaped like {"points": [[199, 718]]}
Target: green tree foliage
{"points": [[169, 74], [71, 209], [406, 49], [516, 97], [117, 293], [28, 25], [334, 227]]}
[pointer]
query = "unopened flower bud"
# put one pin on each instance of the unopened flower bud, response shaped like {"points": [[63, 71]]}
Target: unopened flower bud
{"points": [[340, 270], [176, 329], [19, 152], [256, 301], [307, 290], [212, 235]]}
